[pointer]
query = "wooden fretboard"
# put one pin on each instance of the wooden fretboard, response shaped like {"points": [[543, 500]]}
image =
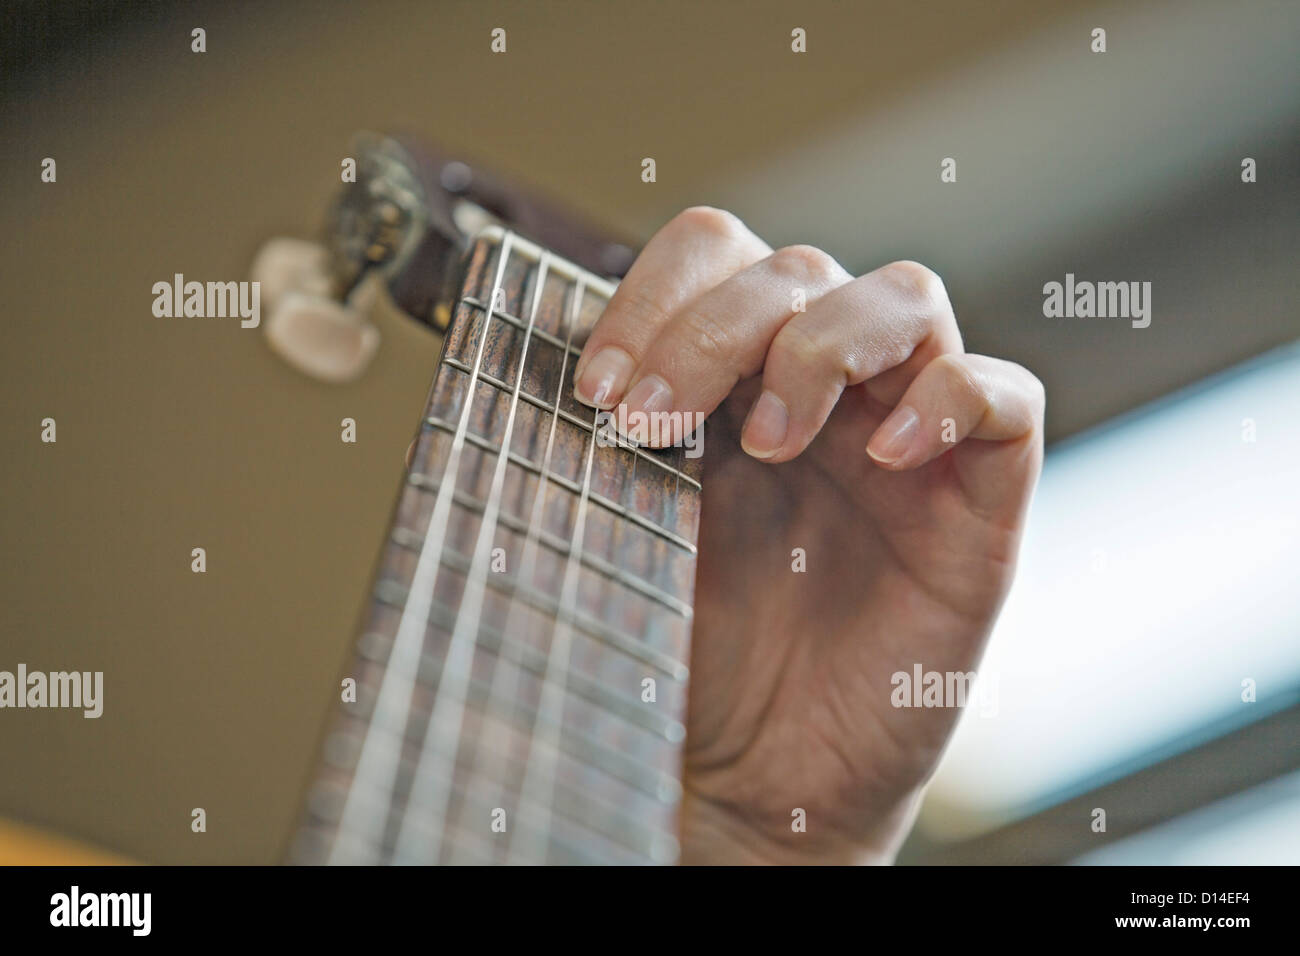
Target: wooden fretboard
{"points": [[522, 607]]}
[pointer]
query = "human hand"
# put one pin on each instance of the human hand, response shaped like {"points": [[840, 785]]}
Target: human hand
{"points": [[860, 431]]}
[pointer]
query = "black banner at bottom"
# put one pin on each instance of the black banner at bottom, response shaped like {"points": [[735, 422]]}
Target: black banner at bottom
{"points": [[364, 905]]}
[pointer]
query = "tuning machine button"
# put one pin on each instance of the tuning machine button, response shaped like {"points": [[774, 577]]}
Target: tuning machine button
{"points": [[311, 330]]}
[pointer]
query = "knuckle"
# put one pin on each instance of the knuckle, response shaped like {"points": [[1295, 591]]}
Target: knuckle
{"points": [[708, 338], [636, 308], [711, 221], [809, 351], [961, 379], [805, 263], [918, 281]]}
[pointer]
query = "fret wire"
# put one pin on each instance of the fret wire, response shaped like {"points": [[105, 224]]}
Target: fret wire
{"points": [[649, 843], [559, 640], [569, 741], [328, 834], [377, 768], [459, 839], [430, 791], [589, 625], [561, 547], [552, 699], [579, 744], [526, 248], [597, 498], [620, 440], [577, 808], [671, 850], [547, 337], [462, 841], [623, 823], [616, 537], [529, 562], [582, 809], [666, 728]]}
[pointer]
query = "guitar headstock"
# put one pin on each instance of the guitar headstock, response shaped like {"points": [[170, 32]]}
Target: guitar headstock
{"points": [[403, 219]]}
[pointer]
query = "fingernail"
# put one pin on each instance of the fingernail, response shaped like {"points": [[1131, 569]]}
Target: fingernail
{"points": [[894, 436], [603, 378], [321, 338], [764, 430], [648, 396]]}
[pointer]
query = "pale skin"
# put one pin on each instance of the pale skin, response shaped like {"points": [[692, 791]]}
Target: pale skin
{"points": [[860, 431]]}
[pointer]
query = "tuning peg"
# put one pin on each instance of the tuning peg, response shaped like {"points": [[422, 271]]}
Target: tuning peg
{"points": [[315, 333], [320, 337], [285, 265]]}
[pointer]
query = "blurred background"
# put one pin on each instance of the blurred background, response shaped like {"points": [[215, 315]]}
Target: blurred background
{"points": [[1160, 568]]}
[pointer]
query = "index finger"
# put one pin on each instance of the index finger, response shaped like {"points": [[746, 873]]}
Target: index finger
{"points": [[695, 251]]}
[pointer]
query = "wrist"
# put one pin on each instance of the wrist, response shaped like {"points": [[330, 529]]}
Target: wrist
{"points": [[713, 834]]}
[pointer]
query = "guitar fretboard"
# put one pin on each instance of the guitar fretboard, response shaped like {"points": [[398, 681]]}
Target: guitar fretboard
{"points": [[521, 678]]}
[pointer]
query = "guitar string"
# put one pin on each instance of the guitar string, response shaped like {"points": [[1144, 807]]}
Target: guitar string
{"points": [[555, 698], [540, 767], [664, 847], [496, 744], [367, 807], [541, 775], [554, 691], [423, 817], [493, 780]]}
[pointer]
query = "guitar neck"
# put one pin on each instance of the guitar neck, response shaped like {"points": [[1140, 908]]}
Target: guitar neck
{"points": [[521, 674]]}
